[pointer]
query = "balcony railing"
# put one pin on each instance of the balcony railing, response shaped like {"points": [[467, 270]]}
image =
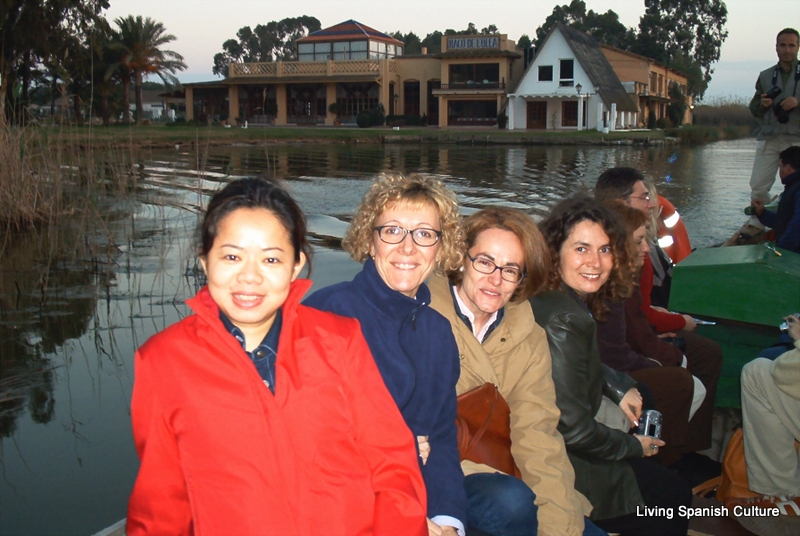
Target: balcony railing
{"points": [[278, 69], [472, 86]]}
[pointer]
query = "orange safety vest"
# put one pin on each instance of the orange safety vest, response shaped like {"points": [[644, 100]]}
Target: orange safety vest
{"points": [[672, 235]]}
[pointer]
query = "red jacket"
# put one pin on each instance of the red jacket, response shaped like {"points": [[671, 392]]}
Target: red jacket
{"points": [[662, 321], [329, 453]]}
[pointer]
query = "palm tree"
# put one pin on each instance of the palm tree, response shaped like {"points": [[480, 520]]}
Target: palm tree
{"points": [[140, 40]]}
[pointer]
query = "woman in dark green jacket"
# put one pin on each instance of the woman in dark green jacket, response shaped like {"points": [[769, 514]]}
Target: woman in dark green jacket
{"points": [[591, 261]]}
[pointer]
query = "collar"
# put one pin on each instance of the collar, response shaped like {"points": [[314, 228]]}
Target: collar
{"points": [[270, 340], [791, 178], [394, 303], [468, 317]]}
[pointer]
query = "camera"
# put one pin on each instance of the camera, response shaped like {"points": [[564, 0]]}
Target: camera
{"points": [[650, 423], [785, 325], [773, 92], [780, 114]]}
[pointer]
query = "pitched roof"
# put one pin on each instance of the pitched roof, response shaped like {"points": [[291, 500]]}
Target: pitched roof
{"points": [[347, 30], [597, 67]]}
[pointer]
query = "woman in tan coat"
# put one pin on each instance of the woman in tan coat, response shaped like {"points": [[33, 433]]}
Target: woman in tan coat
{"points": [[506, 260]]}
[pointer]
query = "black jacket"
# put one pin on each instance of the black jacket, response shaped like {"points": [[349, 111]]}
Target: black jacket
{"points": [[597, 452]]}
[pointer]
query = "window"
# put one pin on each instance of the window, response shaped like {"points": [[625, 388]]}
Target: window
{"points": [[322, 51], [545, 73], [566, 73], [474, 73], [569, 114], [305, 52], [341, 51], [358, 50], [411, 97]]}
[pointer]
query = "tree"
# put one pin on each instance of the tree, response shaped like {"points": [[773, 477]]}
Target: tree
{"points": [[275, 41], [677, 106], [694, 29], [30, 31], [140, 41], [433, 41], [524, 41], [412, 42], [605, 27]]}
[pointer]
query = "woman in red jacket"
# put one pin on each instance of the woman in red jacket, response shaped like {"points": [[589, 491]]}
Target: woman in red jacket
{"points": [[257, 415]]}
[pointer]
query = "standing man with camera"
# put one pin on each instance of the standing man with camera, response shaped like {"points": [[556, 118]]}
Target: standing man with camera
{"points": [[775, 104]]}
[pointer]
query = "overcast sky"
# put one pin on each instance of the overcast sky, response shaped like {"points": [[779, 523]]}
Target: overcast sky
{"points": [[201, 26]]}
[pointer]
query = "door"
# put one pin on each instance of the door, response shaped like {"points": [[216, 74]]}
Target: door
{"points": [[537, 114]]}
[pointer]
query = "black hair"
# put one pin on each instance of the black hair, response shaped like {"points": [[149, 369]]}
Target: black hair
{"points": [[791, 157], [255, 193], [791, 31], [617, 183]]}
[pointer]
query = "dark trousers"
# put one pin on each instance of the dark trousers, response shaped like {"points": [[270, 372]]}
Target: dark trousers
{"points": [[672, 389], [704, 360], [662, 488], [501, 505]]}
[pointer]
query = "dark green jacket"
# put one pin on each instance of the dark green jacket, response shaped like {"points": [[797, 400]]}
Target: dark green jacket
{"points": [[597, 452]]}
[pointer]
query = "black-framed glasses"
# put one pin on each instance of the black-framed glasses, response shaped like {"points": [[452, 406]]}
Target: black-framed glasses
{"points": [[643, 197], [512, 274], [422, 236]]}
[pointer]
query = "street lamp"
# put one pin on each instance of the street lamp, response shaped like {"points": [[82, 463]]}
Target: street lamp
{"points": [[578, 88]]}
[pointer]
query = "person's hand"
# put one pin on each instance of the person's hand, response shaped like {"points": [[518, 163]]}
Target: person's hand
{"points": [[434, 529], [794, 326], [666, 335], [659, 309], [766, 102], [449, 531], [631, 405], [758, 205], [424, 448], [649, 444], [690, 323], [789, 103]]}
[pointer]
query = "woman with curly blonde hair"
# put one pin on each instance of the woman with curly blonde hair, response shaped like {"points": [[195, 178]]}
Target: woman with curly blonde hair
{"points": [[406, 228]]}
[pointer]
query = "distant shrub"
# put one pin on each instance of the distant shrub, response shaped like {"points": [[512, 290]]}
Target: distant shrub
{"points": [[663, 123], [373, 117]]}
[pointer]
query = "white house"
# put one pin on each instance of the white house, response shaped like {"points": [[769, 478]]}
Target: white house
{"points": [[570, 85]]}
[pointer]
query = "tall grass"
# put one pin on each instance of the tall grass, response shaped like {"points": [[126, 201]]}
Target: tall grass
{"points": [[30, 190]]}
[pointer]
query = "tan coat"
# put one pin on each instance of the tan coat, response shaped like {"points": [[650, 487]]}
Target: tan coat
{"points": [[516, 358], [785, 372]]}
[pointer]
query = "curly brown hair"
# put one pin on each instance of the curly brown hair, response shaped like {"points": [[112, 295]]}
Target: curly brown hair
{"points": [[557, 228], [414, 191], [536, 264], [632, 219]]}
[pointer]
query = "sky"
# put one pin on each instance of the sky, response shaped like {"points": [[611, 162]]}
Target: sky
{"points": [[201, 26]]}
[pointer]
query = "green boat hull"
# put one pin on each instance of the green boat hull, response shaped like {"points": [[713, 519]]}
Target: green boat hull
{"points": [[747, 290]]}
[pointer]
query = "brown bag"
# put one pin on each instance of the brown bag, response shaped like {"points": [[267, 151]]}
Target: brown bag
{"points": [[733, 482], [484, 430]]}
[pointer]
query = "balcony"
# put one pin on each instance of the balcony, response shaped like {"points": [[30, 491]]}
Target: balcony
{"points": [[310, 69]]}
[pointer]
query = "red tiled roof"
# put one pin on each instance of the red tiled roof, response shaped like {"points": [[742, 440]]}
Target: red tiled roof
{"points": [[347, 31]]}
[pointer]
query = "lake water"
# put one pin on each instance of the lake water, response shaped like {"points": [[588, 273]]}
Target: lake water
{"points": [[75, 302]]}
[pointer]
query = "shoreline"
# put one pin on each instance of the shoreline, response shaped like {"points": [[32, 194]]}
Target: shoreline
{"points": [[161, 136]]}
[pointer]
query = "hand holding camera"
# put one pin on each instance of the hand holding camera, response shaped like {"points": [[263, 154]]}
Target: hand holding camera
{"points": [[650, 432]]}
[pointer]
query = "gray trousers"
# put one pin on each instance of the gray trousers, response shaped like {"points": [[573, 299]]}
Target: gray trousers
{"points": [[771, 424]]}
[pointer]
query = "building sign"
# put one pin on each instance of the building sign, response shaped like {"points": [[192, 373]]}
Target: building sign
{"points": [[473, 42]]}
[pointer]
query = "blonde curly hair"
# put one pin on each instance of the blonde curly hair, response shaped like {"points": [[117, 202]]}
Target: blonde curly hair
{"points": [[414, 191]]}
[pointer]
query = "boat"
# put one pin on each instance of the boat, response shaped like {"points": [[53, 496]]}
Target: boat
{"points": [[746, 291]]}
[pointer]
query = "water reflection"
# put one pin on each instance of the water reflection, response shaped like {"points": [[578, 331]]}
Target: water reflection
{"points": [[76, 301]]}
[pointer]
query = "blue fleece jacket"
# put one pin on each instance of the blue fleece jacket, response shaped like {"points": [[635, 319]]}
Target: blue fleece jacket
{"points": [[417, 355]]}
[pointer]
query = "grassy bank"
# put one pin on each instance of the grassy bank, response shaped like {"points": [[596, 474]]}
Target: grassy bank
{"points": [[160, 136]]}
